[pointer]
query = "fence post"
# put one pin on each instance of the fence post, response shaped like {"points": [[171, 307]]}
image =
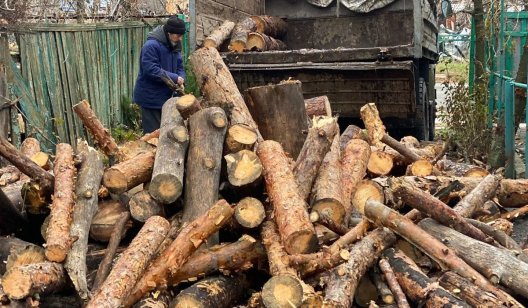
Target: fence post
{"points": [[509, 111]]}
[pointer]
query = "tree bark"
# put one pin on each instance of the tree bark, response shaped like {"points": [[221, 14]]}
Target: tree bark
{"points": [[58, 239], [176, 225], [278, 109], [271, 25], [401, 300], [129, 173], [188, 240], [517, 213], [484, 191], [328, 222], [219, 35], [218, 291], [240, 33], [131, 264], [244, 169], [88, 180], [383, 289], [296, 230], [28, 280], [355, 159], [480, 45], [344, 279], [249, 212], [207, 132], [167, 174], [498, 265], [318, 106], [262, 42], [142, 206], [417, 285], [409, 154], [500, 236], [105, 218], [352, 132], [374, 125]]}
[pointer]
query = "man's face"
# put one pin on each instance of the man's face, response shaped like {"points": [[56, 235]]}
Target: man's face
{"points": [[175, 38]]}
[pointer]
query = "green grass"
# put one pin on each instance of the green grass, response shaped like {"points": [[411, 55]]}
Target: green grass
{"points": [[453, 70]]}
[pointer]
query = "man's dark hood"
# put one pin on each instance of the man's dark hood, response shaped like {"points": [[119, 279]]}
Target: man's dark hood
{"points": [[161, 36]]}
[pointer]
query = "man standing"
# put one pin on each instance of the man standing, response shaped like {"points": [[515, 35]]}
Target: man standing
{"points": [[161, 67]]}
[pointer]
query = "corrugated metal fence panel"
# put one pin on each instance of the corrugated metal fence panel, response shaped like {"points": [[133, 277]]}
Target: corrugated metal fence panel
{"points": [[62, 64]]}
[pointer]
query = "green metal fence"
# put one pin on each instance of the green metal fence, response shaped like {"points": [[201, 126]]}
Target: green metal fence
{"points": [[62, 64]]}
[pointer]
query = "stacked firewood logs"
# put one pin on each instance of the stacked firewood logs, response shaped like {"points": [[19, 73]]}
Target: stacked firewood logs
{"points": [[230, 203]]}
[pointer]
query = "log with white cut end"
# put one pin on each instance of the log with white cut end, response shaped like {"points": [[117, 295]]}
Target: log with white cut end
{"points": [[240, 33], [380, 163], [240, 137], [270, 25], [187, 105], [131, 264], [262, 42], [219, 35], [31, 279], [367, 190], [167, 174], [88, 180], [58, 241], [420, 167], [249, 212], [243, 168], [354, 161], [318, 106], [129, 173], [216, 291], [295, 227]]}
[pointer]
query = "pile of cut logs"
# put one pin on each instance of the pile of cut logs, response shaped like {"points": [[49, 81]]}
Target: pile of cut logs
{"points": [[256, 199], [255, 33]]}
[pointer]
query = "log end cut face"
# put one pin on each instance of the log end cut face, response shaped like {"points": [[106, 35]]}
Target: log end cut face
{"points": [[380, 163], [115, 181], [250, 212], [282, 291], [240, 137], [332, 208], [165, 188], [303, 241], [366, 190], [17, 284], [56, 253]]}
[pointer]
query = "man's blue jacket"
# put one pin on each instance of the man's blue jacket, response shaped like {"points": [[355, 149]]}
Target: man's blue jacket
{"points": [[158, 57]]}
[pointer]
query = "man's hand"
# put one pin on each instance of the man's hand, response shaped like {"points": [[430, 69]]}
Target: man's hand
{"points": [[180, 81]]}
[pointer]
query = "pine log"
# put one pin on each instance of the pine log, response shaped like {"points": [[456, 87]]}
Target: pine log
{"points": [[167, 174], [277, 109], [383, 289], [88, 180], [249, 212], [435, 249], [42, 160], [58, 240], [420, 167], [189, 239], [513, 193], [373, 124], [395, 287], [380, 163], [11, 219], [261, 42], [438, 210], [219, 87], [270, 25], [243, 169], [101, 135], [500, 236], [155, 300], [129, 173], [451, 168], [484, 191], [498, 265], [344, 279], [296, 230], [219, 35], [238, 138], [133, 148], [328, 222], [316, 145], [468, 291], [105, 218], [218, 291], [9, 246], [30, 146], [352, 132], [28, 280], [28, 255], [207, 132], [143, 206], [225, 258], [514, 214], [240, 33], [364, 191], [131, 264], [176, 224], [154, 135], [417, 285], [327, 193], [355, 159], [325, 236], [187, 105], [409, 154], [318, 106]]}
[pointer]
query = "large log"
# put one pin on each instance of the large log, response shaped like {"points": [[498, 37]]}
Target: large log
{"points": [[249, 212], [105, 218], [496, 264], [58, 239], [218, 291], [219, 88], [189, 239], [365, 190], [244, 169], [271, 25], [207, 131], [167, 174], [484, 191], [318, 106], [88, 180], [129, 173], [417, 285], [317, 144], [28, 280], [354, 160], [8, 246], [187, 105], [240, 33], [352, 132], [468, 291], [142, 206], [380, 163], [277, 109], [262, 42], [219, 35], [101, 135], [296, 230], [131, 264]]}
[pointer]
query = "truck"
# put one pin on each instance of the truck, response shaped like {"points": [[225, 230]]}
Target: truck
{"points": [[385, 55]]}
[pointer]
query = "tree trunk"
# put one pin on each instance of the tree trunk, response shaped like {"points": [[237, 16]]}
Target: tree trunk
{"points": [[395, 287], [58, 239], [500, 236], [95, 127], [296, 230], [327, 194], [142, 206], [375, 128], [365, 190], [28, 280], [355, 159], [380, 163], [278, 109], [219, 88], [187, 105], [129, 173], [88, 180], [207, 132], [316, 145], [419, 288], [240, 33], [262, 42], [344, 279], [9, 245], [468, 292], [131, 264], [484, 191], [234, 257], [318, 106], [352, 132], [480, 44], [328, 222], [420, 167], [30, 146], [249, 212], [174, 230], [218, 291], [172, 259], [105, 218], [167, 174], [219, 35], [383, 289], [244, 169], [271, 25], [498, 265], [239, 138]]}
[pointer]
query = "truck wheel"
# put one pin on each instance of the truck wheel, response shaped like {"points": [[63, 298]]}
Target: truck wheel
{"points": [[421, 128]]}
